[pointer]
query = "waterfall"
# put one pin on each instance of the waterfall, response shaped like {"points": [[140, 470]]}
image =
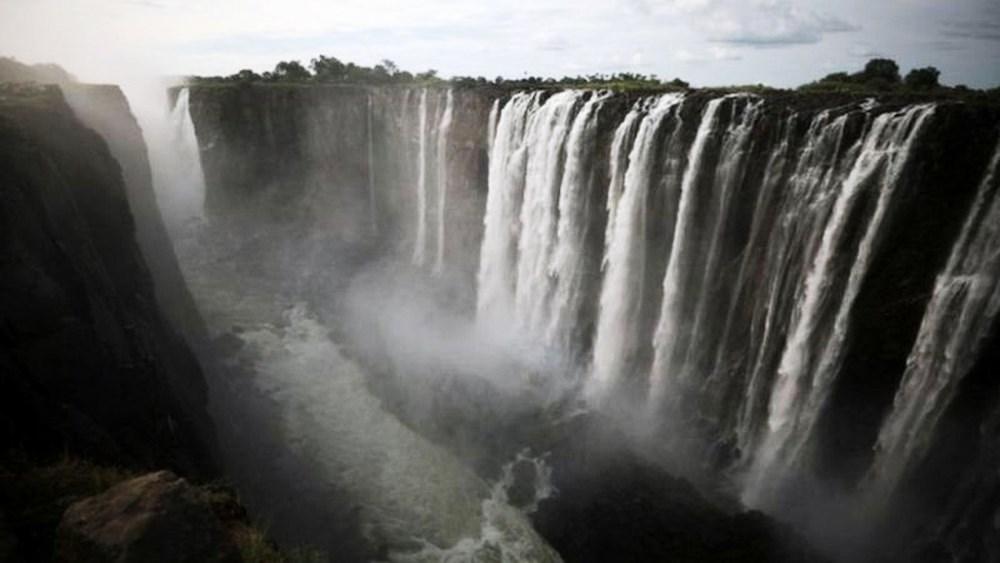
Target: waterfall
{"points": [[371, 167], [818, 168], [750, 235], [498, 257], [444, 127], [569, 268], [491, 127], [420, 241], [813, 350], [185, 193], [618, 335], [668, 328], [962, 309], [546, 145]]}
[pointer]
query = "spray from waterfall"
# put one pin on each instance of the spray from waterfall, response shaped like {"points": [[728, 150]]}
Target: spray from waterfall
{"points": [[182, 185]]}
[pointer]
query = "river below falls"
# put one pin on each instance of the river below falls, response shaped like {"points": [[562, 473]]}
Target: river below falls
{"points": [[300, 429]]}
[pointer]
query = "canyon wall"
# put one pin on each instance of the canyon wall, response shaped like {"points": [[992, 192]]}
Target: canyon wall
{"points": [[779, 283], [91, 365]]}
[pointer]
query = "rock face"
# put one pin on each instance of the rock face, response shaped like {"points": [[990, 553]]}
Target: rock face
{"points": [[156, 517], [88, 362], [761, 236]]}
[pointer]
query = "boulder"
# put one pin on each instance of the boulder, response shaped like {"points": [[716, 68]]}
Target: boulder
{"points": [[158, 517]]}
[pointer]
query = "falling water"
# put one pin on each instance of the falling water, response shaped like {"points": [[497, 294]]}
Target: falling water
{"points": [[622, 296], [668, 329], [420, 241], [444, 128], [371, 167], [811, 355], [965, 303], [491, 128], [498, 258], [569, 268], [546, 145], [186, 185]]}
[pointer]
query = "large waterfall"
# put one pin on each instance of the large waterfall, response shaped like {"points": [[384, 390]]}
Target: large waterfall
{"points": [[965, 303], [182, 183], [753, 273], [772, 294]]}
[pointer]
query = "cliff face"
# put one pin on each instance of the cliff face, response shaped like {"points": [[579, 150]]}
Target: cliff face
{"points": [[780, 272], [90, 365]]}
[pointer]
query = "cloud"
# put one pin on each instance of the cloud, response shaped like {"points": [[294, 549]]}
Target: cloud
{"points": [[988, 30], [865, 51], [774, 24], [712, 54]]}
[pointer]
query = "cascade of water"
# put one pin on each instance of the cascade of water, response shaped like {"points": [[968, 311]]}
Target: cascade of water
{"points": [[547, 134], [444, 128], [187, 182], [491, 128], [420, 241], [812, 351], [668, 329], [569, 261], [498, 257], [617, 337], [697, 274], [371, 167], [801, 211], [965, 302]]}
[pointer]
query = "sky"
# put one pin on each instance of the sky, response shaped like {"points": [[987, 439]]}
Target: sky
{"points": [[706, 42]]}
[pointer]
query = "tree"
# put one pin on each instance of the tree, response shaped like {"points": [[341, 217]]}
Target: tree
{"points": [[836, 77], [291, 71], [923, 78], [327, 69], [390, 67], [879, 70], [245, 75]]}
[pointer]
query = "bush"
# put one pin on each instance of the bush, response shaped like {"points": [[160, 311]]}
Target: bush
{"points": [[922, 78]]}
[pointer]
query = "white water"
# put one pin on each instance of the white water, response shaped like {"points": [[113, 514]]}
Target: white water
{"points": [[965, 303], [182, 181], [497, 277], [491, 128], [810, 359], [548, 129], [668, 328], [371, 167], [568, 268], [444, 128], [420, 240], [622, 295]]}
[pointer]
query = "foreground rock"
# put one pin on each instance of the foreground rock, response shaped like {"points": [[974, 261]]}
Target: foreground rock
{"points": [[156, 517]]}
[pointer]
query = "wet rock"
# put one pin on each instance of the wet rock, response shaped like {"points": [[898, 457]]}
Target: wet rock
{"points": [[156, 517]]}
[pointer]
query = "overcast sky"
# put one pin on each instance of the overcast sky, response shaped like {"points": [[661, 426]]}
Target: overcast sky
{"points": [[707, 42]]}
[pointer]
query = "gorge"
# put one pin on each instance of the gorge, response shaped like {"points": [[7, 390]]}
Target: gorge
{"points": [[793, 293], [480, 322]]}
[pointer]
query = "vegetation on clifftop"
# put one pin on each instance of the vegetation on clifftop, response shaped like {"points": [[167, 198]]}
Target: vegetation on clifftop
{"points": [[879, 76]]}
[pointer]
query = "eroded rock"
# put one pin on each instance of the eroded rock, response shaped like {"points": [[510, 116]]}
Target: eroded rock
{"points": [[158, 517]]}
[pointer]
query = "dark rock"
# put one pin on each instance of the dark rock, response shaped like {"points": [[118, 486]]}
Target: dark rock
{"points": [[89, 365], [156, 517]]}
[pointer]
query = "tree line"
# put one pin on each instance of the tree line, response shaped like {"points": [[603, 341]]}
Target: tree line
{"points": [[878, 75]]}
